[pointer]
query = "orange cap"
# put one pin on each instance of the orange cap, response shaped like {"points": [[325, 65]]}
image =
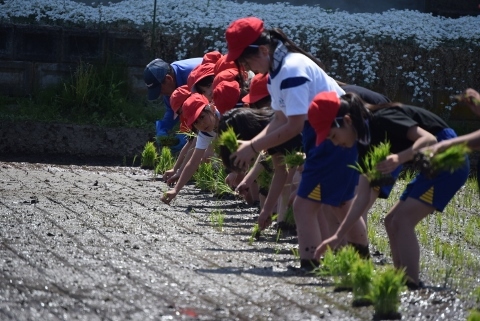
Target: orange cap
{"points": [[211, 57], [226, 95], [322, 112], [178, 97], [240, 34], [193, 106], [198, 73], [258, 89]]}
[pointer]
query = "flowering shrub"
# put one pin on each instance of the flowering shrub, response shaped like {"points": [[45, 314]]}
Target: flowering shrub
{"points": [[406, 54]]}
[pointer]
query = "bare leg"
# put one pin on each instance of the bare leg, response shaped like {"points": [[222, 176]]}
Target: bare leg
{"points": [[308, 229], [358, 233], [400, 224]]}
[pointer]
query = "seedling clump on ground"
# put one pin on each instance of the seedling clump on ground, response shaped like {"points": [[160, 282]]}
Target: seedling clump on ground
{"points": [[149, 156], [387, 286]]}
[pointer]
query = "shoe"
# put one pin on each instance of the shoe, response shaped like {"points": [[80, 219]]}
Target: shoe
{"points": [[309, 265], [362, 250], [412, 286]]}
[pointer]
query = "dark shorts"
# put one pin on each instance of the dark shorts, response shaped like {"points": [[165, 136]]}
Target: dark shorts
{"points": [[326, 177], [439, 190]]}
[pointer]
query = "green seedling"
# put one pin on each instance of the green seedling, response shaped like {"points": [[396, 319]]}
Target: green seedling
{"points": [[165, 161], [217, 218], [450, 160], [228, 138], [289, 217], [204, 176], [265, 177], [338, 265], [296, 253], [368, 167], [474, 315], [255, 235], [294, 158], [134, 159], [167, 140], [463, 96], [149, 156], [387, 285], [476, 295], [361, 274]]}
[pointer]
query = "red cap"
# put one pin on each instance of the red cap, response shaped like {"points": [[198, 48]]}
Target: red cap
{"points": [[240, 34], [322, 112], [211, 57], [226, 95], [222, 65], [258, 89], [192, 107], [198, 73], [178, 97], [226, 75]]}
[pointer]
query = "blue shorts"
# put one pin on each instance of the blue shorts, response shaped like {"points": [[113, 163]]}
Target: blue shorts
{"points": [[384, 191], [439, 190], [326, 177]]}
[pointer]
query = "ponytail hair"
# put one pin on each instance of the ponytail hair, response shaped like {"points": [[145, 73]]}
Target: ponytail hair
{"points": [[356, 108], [246, 123]]}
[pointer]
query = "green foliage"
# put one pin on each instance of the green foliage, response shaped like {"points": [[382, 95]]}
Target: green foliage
{"points": [[97, 94], [167, 140], [255, 235], [217, 218], [338, 265], [165, 161], [204, 176], [450, 159], [265, 177], [361, 273], [289, 217], [294, 158], [387, 286], [368, 167], [211, 177], [228, 138], [149, 156], [474, 315]]}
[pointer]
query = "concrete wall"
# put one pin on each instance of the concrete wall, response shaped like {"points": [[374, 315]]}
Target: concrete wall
{"points": [[32, 58]]}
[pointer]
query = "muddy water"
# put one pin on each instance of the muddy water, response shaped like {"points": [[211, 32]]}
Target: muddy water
{"points": [[95, 243]]}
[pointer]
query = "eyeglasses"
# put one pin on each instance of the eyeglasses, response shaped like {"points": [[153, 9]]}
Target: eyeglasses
{"points": [[335, 122], [254, 46]]}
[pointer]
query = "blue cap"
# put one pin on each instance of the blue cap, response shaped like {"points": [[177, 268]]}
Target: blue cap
{"points": [[153, 75]]}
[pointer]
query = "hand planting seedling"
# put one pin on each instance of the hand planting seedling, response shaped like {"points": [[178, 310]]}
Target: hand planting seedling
{"points": [[149, 156], [450, 160], [369, 165], [294, 158], [387, 286], [228, 138]]}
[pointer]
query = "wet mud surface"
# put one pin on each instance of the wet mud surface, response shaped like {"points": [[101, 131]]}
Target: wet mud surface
{"points": [[85, 242]]}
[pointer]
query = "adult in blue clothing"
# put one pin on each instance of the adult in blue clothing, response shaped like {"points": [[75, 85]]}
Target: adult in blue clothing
{"points": [[162, 79]]}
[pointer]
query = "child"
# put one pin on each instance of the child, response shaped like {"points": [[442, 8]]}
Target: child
{"points": [[200, 80], [247, 123], [203, 116], [347, 121], [294, 78]]}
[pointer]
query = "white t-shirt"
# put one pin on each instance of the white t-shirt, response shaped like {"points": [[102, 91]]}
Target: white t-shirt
{"points": [[204, 139], [294, 84]]}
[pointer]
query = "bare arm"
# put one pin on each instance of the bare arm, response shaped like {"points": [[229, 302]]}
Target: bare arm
{"points": [[186, 174], [278, 131]]}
